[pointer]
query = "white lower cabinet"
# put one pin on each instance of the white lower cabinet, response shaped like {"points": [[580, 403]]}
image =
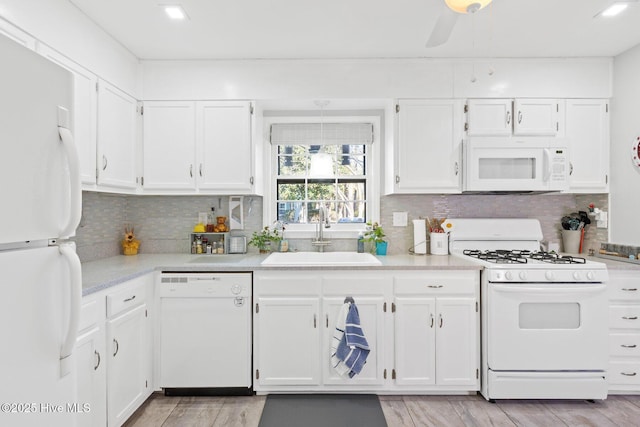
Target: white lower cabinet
{"points": [[437, 330], [91, 364], [422, 338], [624, 331], [114, 353]]}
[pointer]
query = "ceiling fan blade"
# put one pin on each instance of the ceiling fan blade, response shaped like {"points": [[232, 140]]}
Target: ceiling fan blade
{"points": [[443, 28]]}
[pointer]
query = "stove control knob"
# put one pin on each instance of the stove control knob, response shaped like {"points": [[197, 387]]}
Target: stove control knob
{"points": [[508, 275], [523, 275], [590, 275], [549, 275], [236, 289], [576, 275]]}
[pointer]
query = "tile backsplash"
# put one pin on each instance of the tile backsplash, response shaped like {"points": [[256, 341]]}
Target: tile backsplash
{"points": [[163, 223]]}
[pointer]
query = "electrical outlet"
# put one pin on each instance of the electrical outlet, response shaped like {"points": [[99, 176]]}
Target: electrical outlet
{"points": [[400, 219], [602, 219]]}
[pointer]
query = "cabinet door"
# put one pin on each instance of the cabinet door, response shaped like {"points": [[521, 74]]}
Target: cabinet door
{"points": [[127, 369], [587, 131], [169, 145], [288, 341], [370, 309], [223, 134], [92, 387], [83, 124], [486, 117], [428, 149], [117, 121], [457, 350], [415, 340], [535, 117]]}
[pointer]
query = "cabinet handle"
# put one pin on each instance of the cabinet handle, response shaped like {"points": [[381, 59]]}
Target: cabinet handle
{"points": [[630, 289], [455, 168], [630, 317], [191, 171], [326, 316], [628, 345], [115, 342], [434, 286], [104, 162], [508, 117], [570, 168], [397, 179], [441, 320], [200, 170], [432, 320], [519, 117], [95, 368], [129, 299], [315, 321], [632, 374]]}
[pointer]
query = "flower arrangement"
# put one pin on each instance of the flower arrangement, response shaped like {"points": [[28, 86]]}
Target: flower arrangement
{"points": [[130, 244], [263, 239]]}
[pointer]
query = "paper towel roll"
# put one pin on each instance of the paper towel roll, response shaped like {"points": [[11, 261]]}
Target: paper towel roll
{"points": [[419, 236]]}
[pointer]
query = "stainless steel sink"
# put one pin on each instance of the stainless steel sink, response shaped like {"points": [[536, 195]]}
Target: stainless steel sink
{"points": [[306, 259]]}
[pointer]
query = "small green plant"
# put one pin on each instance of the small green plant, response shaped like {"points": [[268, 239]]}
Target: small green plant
{"points": [[263, 239], [374, 233]]}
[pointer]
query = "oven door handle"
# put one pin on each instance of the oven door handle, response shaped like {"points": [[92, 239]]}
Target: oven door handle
{"points": [[551, 289]]}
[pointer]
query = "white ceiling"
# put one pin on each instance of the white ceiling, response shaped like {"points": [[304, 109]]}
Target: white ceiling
{"points": [[249, 29]]}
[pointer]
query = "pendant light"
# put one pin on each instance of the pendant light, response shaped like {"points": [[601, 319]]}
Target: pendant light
{"points": [[321, 163], [466, 6]]}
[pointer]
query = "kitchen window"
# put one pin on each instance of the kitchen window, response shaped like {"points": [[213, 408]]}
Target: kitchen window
{"points": [[327, 162]]}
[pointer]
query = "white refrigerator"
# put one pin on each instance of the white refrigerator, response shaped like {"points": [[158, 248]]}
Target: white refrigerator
{"points": [[40, 276]]}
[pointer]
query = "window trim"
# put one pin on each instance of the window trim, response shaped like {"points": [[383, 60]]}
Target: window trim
{"points": [[373, 173]]}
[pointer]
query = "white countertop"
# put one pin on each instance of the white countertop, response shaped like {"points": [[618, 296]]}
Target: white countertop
{"points": [[104, 273]]}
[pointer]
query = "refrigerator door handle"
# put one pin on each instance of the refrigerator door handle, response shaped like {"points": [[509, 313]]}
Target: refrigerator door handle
{"points": [[75, 202], [75, 293]]}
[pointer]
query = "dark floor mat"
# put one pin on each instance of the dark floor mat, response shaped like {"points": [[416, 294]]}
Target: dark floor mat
{"points": [[322, 410]]}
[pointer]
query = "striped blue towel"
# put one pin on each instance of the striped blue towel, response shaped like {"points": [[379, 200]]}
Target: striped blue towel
{"points": [[353, 349]]}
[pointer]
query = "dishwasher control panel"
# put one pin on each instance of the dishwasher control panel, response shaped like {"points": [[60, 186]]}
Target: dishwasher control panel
{"points": [[212, 285]]}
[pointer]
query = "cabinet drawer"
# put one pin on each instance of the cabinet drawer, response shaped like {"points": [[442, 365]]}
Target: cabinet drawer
{"points": [[89, 314], [624, 344], [624, 372], [130, 296], [623, 286], [624, 316], [437, 284]]}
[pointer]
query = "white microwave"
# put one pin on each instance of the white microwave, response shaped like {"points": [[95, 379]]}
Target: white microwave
{"points": [[515, 164]]}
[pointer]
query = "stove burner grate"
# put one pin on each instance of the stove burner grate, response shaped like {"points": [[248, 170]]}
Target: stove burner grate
{"points": [[501, 256]]}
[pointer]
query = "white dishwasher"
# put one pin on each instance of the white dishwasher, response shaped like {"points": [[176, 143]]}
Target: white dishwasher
{"points": [[205, 333]]}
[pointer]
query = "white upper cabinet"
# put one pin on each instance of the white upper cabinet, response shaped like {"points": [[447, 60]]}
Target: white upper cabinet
{"points": [[587, 132], [428, 147], [523, 117], [223, 137], [169, 145], [83, 124], [117, 136]]}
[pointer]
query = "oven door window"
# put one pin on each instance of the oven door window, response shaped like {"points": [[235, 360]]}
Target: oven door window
{"points": [[549, 315], [546, 327]]}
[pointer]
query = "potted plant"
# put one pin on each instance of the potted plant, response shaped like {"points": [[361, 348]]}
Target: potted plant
{"points": [[263, 239], [375, 234]]}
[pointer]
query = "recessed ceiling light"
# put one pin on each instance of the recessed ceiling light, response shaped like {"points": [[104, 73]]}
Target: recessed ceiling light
{"points": [[614, 9], [174, 11]]}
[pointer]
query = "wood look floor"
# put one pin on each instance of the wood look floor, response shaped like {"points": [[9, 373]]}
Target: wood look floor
{"points": [[401, 411]]}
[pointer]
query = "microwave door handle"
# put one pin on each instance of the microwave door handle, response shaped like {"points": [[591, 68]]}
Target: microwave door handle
{"points": [[546, 165]]}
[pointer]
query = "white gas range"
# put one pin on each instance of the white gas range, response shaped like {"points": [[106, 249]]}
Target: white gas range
{"points": [[544, 315]]}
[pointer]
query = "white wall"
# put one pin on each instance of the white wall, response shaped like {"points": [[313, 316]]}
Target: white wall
{"points": [[376, 79], [625, 127], [63, 27]]}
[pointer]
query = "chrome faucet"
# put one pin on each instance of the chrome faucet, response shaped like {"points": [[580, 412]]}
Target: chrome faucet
{"points": [[323, 222]]}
